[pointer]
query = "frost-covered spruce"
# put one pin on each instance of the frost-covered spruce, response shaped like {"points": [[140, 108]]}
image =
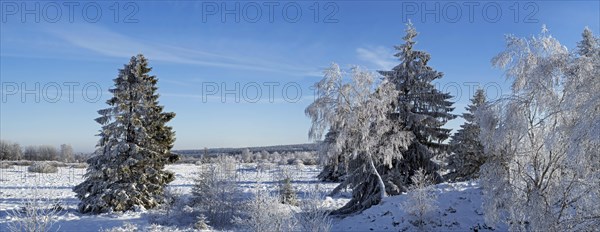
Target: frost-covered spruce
{"points": [[335, 164], [287, 193], [467, 151], [127, 170], [423, 109], [588, 46]]}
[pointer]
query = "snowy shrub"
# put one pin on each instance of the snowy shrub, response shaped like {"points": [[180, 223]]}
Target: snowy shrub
{"points": [[78, 165], [282, 162], [421, 200], [297, 162], [201, 223], [22, 162], [265, 213], [188, 159], [126, 227], [130, 227], [307, 158], [10, 151], [291, 161], [36, 214], [541, 142], [226, 164], [247, 156], [313, 216], [287, 193], [5, 165], [275, 157], [300, 166], [175, 211], [57, 164], [310, 161], [216, 193], [42, 167], [264, 166]]}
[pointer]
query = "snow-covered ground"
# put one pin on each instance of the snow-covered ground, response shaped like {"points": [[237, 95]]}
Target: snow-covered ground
{"points": [[459, 209], [17, 185], [459, 204]]}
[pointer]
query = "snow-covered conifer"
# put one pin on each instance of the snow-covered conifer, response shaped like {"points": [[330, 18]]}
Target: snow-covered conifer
{"points": [[287, 192], [127, 170], [422, 109], [335, 164], [588, 46], [467, 151]]}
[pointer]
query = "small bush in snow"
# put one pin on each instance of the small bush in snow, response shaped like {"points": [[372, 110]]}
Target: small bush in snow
{"points": [[36, 214], [264, 166], [300, 166], [42, 167], [202, 223], [313, 216], [293, 161], [175, 211], [5, 165], [216, 193], [421, 199], [282, 162], [127, 227], [310, 161], [265, 213], [287, 193], [227, 165]]}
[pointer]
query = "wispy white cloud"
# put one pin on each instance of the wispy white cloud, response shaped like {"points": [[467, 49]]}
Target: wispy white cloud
{"points": [[109, 43], [381, 57]]}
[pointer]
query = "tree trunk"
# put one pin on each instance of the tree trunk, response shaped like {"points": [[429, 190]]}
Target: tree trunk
{"points": [[379, 180]]}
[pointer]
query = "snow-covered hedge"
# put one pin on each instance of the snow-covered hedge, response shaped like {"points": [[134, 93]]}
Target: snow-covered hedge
{"points": [[5, 165], [42, 167]]}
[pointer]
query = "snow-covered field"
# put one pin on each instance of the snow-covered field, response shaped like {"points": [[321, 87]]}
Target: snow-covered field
{"points": [[17, 185], [459, 204]]}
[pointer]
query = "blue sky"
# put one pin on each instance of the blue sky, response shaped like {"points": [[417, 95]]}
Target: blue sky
{"points": [[193, 50]]}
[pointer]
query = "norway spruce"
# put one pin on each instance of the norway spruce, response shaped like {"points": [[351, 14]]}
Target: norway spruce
{"points": [[127, 171], [467, 151], [335, 166], [423, 111]]}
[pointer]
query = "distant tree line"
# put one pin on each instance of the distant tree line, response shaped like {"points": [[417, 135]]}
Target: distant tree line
{"points": [[307, 147], [14, 151]]}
